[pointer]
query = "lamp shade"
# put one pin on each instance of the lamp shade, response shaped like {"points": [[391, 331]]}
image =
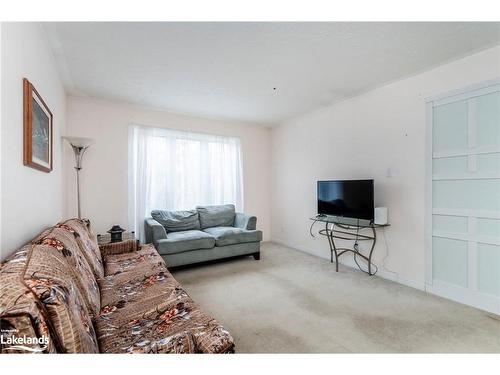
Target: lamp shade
{"points": [[79, 141]]}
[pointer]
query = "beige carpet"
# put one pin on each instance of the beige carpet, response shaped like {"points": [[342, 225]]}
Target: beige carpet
{"points": [[292, 302]]}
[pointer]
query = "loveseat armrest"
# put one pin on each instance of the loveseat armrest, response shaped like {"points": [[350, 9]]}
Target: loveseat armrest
{"points": [[245, 221], [154, 231], [122, 247]]}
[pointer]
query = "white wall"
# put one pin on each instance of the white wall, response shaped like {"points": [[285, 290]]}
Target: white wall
{"points": [[30, 200], [104, 177], [362, 138]]}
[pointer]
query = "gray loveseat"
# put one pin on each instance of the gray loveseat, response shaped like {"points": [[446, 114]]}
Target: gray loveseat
{"points": [[204, 234]]}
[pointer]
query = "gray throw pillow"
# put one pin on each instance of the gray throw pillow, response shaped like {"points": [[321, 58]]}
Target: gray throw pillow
{"points": [[216, 216], [176, 221]]}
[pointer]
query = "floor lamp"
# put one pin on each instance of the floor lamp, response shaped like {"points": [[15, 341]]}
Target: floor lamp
{"points": [[79, 145]]}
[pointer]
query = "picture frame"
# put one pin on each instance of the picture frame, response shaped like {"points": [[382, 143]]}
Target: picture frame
{"points": [[38, 130]]}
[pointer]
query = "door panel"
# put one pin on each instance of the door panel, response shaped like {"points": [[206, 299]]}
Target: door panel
{"points": [[464, 195], [450, 127], [488, 118], [488, 268], [450, 261]]}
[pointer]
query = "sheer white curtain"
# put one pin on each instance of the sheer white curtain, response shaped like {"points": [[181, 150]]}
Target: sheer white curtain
{"points": [[175, 170]]}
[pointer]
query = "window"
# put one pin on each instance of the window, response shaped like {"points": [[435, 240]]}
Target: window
{"points": [[175, 170]]}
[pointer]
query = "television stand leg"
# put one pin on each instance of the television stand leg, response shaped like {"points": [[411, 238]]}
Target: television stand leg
{"points": [[333, 249], [331, 234]]}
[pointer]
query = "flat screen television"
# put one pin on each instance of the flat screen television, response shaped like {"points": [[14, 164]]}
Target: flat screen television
{"points": [[347, 198]]}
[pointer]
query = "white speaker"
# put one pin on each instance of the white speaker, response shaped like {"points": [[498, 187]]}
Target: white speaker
{"points": [[381, 215]]}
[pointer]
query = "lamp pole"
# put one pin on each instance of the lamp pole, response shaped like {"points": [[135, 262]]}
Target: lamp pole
{"points": [[79, 145], [79, 151]]}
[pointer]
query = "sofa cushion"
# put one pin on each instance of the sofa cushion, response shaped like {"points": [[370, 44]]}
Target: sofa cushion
{"points": [[168, 323], [146, 258], [145, 327], [216, 216], [65, 242], [46, 277], [229, 235], [88, 243], [150, 341], [118, 292], [125, 294], [56, 283], [21, 312], [176, 221], [134, 273], [178, 242]]}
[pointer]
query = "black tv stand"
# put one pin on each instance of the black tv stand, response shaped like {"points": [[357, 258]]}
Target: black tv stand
{"points": [[346, 232]]}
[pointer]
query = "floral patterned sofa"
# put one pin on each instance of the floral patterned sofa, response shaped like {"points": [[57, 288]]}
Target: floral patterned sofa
{"points": [[67, 295]]}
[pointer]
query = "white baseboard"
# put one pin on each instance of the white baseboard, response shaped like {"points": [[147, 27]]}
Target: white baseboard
{"points": [[466, 296], [481, 301], [381, 273]]}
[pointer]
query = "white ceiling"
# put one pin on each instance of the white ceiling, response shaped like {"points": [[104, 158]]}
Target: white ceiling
{"points": [[230, 70]]}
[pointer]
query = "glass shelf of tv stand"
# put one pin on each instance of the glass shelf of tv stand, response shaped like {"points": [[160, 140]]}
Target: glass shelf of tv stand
{"points": [[348, 222]]}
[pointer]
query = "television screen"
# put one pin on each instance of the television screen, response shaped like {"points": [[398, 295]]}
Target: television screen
{"points": [[348, 198]]}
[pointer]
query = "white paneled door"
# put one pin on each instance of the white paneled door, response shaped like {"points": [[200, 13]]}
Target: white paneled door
{"points": [[463, 197]]}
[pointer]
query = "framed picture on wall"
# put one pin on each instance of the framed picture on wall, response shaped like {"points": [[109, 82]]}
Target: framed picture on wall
{"points": [[37, 130]]}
